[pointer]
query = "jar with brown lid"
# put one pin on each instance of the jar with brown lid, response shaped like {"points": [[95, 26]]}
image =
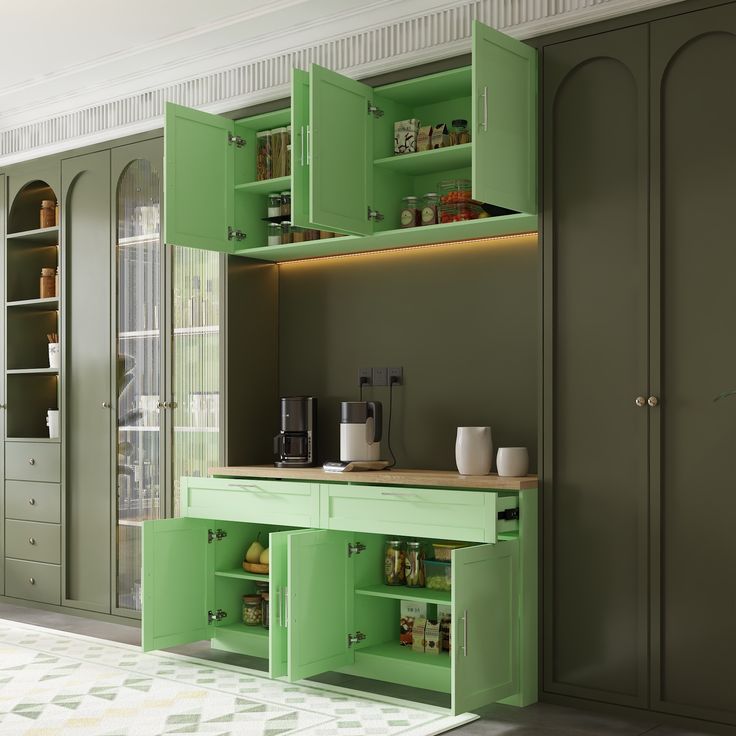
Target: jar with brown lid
{"points": [[48, 283], [48, 213]]}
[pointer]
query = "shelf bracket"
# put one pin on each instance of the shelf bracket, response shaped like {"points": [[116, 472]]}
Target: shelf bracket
{"points": [[375, 215], [235, 140], [375, 111], [355, 638], [214, 616], [355, 549], [215, 536], [235, 234]]}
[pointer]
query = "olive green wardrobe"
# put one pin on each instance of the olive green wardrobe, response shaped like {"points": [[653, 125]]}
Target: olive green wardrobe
{"points": [[639, 186]]}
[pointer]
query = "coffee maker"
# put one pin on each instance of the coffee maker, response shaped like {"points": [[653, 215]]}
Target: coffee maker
{"points": [[295, 444]]}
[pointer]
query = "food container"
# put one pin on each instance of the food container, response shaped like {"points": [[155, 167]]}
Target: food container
{"points": [[405, 136], [265, 606], [285, 204], [410, 215], [297, 234], [274, 205], [326, 234], [453, 191], [438, 575], [274, 233], [48, 283], [263, 155], [443, 550], [430, 212], [414, 565], [48, 213], [459, 133], [286, 233], [252, 615], [279, 152], [460, 211], [394, 571]]}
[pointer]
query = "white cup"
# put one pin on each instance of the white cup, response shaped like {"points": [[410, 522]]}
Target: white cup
{"points": [[512, 461], [54, 355], [52, 422]]}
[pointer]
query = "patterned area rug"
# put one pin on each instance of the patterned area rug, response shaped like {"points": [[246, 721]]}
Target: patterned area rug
{"points": [[53, 683]]}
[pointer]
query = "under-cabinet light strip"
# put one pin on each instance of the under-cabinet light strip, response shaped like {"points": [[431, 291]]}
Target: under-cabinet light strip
{"points": [[413, 248]]}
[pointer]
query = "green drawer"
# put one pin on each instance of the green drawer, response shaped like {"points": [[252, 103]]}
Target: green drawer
{"points": [[33, 581], [287, 503], [429, 513], [33, 501], [33, 540], [39, 461]]}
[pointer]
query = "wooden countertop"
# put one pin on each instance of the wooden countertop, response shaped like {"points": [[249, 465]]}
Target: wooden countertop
{"points": [[399, 477]]}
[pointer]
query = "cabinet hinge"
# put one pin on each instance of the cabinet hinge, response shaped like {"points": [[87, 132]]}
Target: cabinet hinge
{"points": [[214, 616], [355, 638], [355, 549], [235, 234], [375, 111], [508, 514], [374, 215], [235, 140], [215, 536]]}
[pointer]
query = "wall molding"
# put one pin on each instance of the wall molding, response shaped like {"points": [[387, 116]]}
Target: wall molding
{"points": [[98, 114]]}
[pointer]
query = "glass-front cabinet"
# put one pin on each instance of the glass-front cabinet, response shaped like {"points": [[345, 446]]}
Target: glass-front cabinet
{"points": [[167, 348]]}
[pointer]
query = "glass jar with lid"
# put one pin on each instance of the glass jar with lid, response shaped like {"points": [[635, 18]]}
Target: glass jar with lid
{"points": [[265, 609], [286, 204], [414, 564], [286, 232], [274, 204], [409, 212], [263, 155], [252, 615], [274, 233], [430, 208], [288, 151], [459, 133], [278, 152], [394, 570]]}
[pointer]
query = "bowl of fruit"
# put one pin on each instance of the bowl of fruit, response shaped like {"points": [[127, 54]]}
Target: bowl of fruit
{"points": [[256, 558]]}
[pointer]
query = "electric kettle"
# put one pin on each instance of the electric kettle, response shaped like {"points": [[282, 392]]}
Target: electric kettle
{"points": [[360, 430]]}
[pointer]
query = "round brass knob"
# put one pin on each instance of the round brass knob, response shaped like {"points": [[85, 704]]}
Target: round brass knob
{"points": [[32, 501], [640, 401], [32, 581], [31, 540], [652, 401]]}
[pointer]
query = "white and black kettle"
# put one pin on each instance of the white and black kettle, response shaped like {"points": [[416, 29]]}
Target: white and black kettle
{"points": [[360, 431]]}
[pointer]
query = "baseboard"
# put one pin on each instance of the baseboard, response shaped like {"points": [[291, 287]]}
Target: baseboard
{"points": [[80, 612]]}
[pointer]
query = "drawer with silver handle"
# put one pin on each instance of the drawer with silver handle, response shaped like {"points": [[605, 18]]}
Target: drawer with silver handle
{"points": [[32, 540], [29, 501], [39, 461], [33, 581]]}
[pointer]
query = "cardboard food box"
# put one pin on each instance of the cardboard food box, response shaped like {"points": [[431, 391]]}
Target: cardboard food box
{"points": [[418, 634], [432, 642], [424, 138], [440, 137], [405, 136], [410, 611], [444, 617]]}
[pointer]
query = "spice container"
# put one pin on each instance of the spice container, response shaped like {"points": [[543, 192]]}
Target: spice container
{"points": [[326, 234], [48, 283], [394, 570], [430, 208], [459, 133], [263, 155], [48, 213], [278, 152], [274, 205], [265, 608], [285, 204], [252, 615], [286, 233], [414, 565], [297, 234], [274, 233], [410, 216]]}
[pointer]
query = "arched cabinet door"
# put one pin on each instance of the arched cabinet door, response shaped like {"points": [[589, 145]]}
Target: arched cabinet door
{"points": [[138, 370]]}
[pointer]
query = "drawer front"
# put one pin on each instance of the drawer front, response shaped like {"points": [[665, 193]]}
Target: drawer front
{"points": [[33, 581], [289, 503], [33, 461], [429, 513], [31, 540], [33, 501]]}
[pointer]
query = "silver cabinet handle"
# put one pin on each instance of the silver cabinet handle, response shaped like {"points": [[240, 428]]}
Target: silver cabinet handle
{"points": [[286, 608], [32, 501], [640, 401], [106, 405], [32, 581], [484, 97], [173, 405], [301, 142], [399, 495], [247, 487], [31, 540], [465, 633], [309, 145], [31, 461], [161, 404], [277, 608], [652, 401]]}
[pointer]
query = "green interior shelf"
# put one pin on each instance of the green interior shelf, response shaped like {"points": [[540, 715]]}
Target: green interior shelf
{"points": [[428, 162], [242, 574], [401, 592], [266, 186]]}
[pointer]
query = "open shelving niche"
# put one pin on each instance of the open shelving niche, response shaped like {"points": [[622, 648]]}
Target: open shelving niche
{"points": [[32, 386]]}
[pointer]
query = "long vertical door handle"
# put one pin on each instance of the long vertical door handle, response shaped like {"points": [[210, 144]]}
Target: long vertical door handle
{"points": [[465, 633], [277, 608], [301, 139], [286, 608], [484, 97], [309, 145]]}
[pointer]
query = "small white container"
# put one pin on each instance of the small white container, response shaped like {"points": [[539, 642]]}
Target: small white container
{"points": [[474, 450], [52, 422], [512, 462], [54, 355]]}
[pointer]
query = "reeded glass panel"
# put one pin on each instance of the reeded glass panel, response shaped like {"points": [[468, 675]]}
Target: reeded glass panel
{"points": [[139, 372], [196, 363]]}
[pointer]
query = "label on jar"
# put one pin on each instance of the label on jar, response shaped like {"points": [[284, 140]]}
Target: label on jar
{"points": [[408, 217], [429, 215]]}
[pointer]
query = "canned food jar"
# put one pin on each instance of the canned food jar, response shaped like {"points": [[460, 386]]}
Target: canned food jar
{"points": [[274, 205], [252, 615], [395, 563], [409, 212], [263, 155], [414, 565], [430, 208]]}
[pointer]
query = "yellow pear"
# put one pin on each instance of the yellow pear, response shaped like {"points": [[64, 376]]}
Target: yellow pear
{"points": [[254, 551], [264, 557]]}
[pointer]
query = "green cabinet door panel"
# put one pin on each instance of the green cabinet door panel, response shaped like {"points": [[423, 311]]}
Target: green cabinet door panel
{"points": [[277, 639], [299, 165], [504, 120], [340, 152], [178, 582], [320, 603], [485, 624], [199, 179]]}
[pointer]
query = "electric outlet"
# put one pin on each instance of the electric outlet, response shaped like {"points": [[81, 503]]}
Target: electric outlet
{"points": [[380, 376], [396, 376], [365, 376]]}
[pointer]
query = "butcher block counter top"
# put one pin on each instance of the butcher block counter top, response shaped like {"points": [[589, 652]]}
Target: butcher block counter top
{"points": [[397, 477]]}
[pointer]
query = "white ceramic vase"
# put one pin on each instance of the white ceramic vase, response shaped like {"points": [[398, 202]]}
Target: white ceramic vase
{"points": [[474, 450], [512, 461]]}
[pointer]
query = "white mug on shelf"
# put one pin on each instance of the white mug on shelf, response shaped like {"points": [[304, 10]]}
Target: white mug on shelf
{"points": [[512, 462], [474, 450], [54, 355], [52, 422]]}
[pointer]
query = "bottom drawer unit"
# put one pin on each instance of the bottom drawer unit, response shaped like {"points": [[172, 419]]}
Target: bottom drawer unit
{"points": [[32, 540], [33, 581]]}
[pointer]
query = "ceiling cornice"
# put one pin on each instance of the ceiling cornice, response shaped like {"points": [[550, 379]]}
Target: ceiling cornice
{"points": [[378, 37]]}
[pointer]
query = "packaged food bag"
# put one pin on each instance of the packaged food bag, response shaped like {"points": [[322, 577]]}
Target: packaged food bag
{"points": [[405, 136], [420, 625], [440, 136], [424, 138], [410, 611]]}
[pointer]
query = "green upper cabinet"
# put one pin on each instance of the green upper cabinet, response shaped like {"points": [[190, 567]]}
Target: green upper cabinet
{"points": [[178, 582], [504, 120], [340, 152], [198, 179], [300, 127]]}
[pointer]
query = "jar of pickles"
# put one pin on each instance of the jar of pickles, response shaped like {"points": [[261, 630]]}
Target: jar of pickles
{"points": [[252, 615], [395, 562], [414, 565]]}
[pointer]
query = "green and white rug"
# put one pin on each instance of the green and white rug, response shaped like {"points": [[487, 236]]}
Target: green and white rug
{"points": [[58, 684]]}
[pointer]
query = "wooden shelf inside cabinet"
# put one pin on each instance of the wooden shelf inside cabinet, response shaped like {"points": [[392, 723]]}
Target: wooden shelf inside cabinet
{"points": [[266, 186], [241, 574], [40, 236], [427, 162], [401, 592], [50, 304], [32, 371]]}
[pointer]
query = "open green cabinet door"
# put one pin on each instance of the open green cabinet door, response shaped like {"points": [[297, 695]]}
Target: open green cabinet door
{"points": [[299, 162], [198, 180], [485, 625], [504, 120], [319, 603], [178, 582], [339, 153]]}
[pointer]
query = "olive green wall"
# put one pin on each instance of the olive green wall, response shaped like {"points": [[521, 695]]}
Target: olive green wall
{"points": [[461, 320]]}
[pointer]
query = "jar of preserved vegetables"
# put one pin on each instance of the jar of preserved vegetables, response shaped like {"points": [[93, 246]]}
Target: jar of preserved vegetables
{"points": [[395, 562], [414, 565], [263, 155], [409, 212], [252, 610]]}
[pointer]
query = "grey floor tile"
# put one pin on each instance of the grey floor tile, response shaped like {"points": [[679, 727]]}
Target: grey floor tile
{"points": [[675, 731]]}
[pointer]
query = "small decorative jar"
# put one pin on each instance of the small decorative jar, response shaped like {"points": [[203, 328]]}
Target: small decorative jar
{"points": [[430, 208], [48, 213], [410, 216], [252, 615]]}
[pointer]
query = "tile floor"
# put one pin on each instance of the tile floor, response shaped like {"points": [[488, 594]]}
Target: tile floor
{"points": [[542, 719]]}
